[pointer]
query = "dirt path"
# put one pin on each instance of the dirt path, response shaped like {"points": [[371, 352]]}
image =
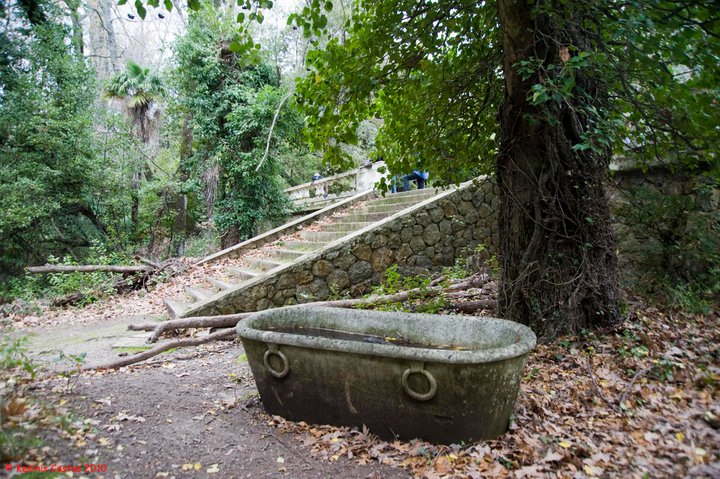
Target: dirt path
{"points": [[98, 342], [191, 413]]}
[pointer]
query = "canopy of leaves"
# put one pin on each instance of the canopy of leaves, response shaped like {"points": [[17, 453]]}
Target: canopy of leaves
{"points": [[428, 70], [137, 85], [232, 106], [432, 71], [140, 89], [46, 93]]}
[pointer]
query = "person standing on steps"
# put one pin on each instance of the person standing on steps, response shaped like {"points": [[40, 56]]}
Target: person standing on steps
{"points": [[322, 189]]}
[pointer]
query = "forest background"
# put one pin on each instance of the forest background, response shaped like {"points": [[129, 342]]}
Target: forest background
{"points": [[122, 136]]}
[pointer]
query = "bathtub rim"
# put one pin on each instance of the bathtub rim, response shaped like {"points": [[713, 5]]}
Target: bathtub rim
{"points": [[526, 343]]}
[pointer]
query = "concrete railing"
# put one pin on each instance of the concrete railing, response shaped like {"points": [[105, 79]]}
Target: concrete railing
{"points": [[319, 193]]}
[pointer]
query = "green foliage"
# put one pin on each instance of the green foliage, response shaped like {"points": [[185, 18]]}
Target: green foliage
{"points": [[435, 80], [75, 363], [22, 414], [137, 85], [140, 89], [14, 444], [396, 282], [458, 271], [671, 54], [488, 259], [46, 92], [90, 286], [438, 97], [13, 355], [202, 244], [679, 246], [16, 369], [433, 306], [232, 105]]}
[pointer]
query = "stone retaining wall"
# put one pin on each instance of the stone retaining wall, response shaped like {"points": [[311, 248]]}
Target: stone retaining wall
{"points": [[426, 239]]}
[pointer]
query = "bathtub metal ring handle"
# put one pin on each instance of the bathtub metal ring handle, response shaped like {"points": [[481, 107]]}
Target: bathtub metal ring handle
{"points": [[414, 394], [266, 359]]}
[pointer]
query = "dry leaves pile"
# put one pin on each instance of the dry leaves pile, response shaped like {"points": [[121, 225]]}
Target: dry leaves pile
{"points": [[641, 401]]}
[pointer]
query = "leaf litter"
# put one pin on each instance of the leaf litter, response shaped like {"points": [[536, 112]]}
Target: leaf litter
{"points": [[641, 401]]}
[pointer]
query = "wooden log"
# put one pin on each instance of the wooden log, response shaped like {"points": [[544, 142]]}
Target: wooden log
{"points": [[147, 261], [472, 306], [225, 321], [229, 320], [51, 268]]}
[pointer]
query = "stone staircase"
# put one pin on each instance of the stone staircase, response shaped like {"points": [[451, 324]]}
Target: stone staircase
{"points": [[272, 258]]}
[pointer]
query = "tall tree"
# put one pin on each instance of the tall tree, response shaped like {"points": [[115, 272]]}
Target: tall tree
{"points": [[103, 43], [140, 89], [571, 81], [232, 105], [46, 153], [559, 267]]}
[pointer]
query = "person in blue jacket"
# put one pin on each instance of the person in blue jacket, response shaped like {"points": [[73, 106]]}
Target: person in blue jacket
{"points": [[419, 176]]}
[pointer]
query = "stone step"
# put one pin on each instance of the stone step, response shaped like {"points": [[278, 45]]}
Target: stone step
{"points": [[345, 226], [363, 217], [285, 254], [389, 209], [199, 294], [428, 190], [326, 236], [262, 264], [314, 204], [403, 197], [304, 246], [220, 284], [176, 308], [242, 274]]}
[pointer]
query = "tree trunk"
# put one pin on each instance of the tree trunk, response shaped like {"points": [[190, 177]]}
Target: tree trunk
{"points": [[135, 206], [557, 250], [230, 237], [87, 268], [103, 42], [181, 226]]}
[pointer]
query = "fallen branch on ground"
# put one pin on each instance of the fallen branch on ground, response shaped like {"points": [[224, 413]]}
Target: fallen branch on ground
{"points": [[472, 306], [225, 321], [230, 320], [147, 261], [90, 268], [134, 277], [161, 348]]}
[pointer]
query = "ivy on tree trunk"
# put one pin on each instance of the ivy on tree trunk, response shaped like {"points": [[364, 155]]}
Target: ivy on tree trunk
{"points": [[559, 266]]}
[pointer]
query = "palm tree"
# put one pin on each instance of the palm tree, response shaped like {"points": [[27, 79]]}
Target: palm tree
{"points": [[140, 89]]}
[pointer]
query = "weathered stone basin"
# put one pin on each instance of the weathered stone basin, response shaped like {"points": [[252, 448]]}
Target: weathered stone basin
{"points": [[440, 378]]}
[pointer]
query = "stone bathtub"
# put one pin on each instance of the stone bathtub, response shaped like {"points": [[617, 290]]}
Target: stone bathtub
{"points": [[440, 378]]}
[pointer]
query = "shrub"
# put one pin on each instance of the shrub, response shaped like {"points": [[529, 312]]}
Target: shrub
{"points": [[678, 246]]}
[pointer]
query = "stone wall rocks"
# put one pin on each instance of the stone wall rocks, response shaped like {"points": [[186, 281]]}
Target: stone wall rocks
{"points": [[431, 236]]}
